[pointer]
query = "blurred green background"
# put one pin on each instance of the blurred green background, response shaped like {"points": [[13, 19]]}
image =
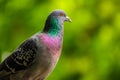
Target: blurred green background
{"points": [[91, 49]]}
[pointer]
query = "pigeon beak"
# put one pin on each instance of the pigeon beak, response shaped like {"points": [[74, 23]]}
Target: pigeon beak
{"points": [[68, 19]]}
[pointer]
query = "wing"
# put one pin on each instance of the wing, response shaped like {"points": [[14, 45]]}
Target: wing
{"points": [[20, 59]]}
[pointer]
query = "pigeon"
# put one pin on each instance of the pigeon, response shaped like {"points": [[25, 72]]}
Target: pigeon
{"points": [[36, 57]]}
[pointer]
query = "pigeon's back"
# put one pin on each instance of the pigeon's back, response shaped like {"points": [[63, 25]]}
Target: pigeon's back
{"points": [[4, 75], [19, 60]]}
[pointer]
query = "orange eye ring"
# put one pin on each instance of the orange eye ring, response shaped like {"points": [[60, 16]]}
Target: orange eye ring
{"points": [[61, 14]]}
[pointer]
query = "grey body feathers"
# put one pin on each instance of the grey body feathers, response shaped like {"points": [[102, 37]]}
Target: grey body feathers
{"points": [[27, 62]]}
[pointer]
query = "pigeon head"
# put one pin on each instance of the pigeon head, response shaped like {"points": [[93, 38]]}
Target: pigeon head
{"points": [[55, 21], [60, 15]]}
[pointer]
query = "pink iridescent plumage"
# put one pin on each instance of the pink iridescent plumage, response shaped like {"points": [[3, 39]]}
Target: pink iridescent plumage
{"points": [[53, 44]]}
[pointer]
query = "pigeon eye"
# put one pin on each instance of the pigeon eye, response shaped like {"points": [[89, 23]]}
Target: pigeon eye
{"points": [[61, 14]]}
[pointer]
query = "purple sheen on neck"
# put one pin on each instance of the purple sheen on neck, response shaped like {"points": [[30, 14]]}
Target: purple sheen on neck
{"points": [[53, 44]]}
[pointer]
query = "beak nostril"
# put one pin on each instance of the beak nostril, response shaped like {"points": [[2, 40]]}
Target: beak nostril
{"points": [[68, 19]]}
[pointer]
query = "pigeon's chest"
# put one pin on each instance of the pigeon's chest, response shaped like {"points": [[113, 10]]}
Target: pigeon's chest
{"points": [[51, 53], [52, 44]]}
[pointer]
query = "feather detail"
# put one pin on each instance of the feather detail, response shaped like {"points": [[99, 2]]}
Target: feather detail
{"points": [[20, 59]]}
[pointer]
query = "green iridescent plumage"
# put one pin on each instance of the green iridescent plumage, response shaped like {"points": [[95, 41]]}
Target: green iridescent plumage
{"points": [[54, 28]]}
